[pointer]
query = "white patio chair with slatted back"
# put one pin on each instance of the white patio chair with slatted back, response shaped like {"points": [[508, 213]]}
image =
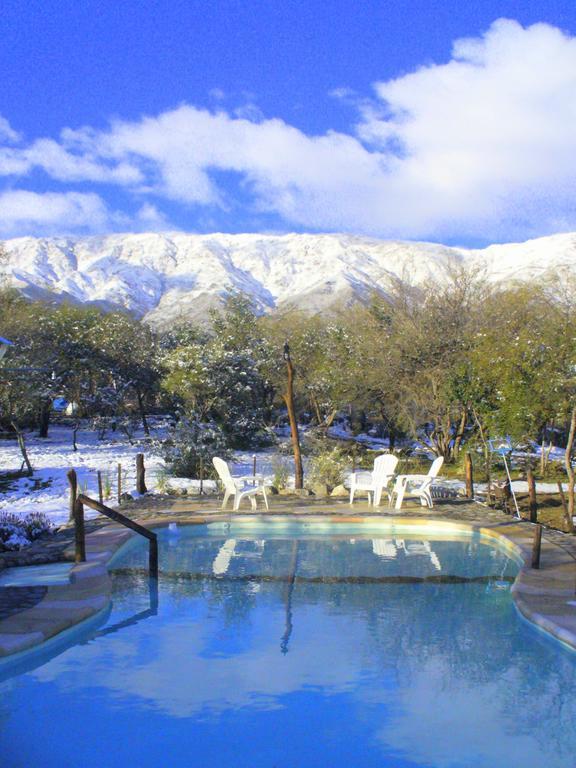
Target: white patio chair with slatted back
{"points": [[246, 487], [416, 486], [376, 481]]}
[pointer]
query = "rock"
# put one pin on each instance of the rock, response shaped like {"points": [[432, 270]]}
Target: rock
{"points": [[340, 491], [272, 490], [295, 492], [126, 497], [320, 489]]}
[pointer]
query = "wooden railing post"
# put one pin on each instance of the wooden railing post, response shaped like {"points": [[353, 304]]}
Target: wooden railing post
{"points": [[140, 474], [532, 496], [73, 480], [118, 517], [119, 482], [79, 533], [469, 470], [536, 546], [100, 489], [153, 557]]}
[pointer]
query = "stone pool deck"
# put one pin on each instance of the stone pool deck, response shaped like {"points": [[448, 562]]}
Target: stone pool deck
{"points": [[30, 615]]}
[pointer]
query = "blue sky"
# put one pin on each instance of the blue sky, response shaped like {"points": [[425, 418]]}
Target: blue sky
{"points": [[448, 121]]}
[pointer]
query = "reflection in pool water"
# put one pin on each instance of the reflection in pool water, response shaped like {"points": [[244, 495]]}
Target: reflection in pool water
{"points": [[301, 650]]}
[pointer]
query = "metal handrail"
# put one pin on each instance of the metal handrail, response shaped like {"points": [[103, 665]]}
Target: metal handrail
{"points": [[113, 514]]}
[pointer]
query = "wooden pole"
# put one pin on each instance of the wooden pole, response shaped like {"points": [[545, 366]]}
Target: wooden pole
{"points": [[79, 533], [153, 558], [536, 546], [119, 482], [140, 474], [100, 489], [254, 468], [469, 470], [73, 480], [532, 496], [289, 400]]}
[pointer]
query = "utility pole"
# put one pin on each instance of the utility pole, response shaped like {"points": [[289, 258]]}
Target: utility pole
{"points": [[289, 400]]}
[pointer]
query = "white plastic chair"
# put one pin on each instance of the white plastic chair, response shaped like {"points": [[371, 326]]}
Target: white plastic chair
{"points": [[376, 481], [239, 487], [416, 486]]}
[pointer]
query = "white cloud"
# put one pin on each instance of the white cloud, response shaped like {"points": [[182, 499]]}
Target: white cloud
{"points": [[7, 133], [481, 146], [52, 213]]}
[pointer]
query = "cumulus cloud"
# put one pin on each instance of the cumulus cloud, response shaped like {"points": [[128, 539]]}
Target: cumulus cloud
{"points": [[52, 213], [482, 146]]}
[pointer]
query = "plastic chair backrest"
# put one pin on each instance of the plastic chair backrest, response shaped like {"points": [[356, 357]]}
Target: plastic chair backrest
{"points": [[223, 473], [436, 466], [384, 465]]}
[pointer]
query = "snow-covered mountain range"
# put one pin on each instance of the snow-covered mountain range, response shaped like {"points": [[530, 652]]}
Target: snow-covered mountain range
{"points": [[163, 277]]}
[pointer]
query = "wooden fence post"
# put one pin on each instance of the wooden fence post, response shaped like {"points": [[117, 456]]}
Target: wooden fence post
{"points": [[536, 546], [119, 482], [532, 496], [73, 480], [469, 470], [100, 489], [79, 534], [140, 474]]}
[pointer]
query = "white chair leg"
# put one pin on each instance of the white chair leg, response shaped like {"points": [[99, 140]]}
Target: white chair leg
{"points": [[399, 497], [253, 502], [265, 498], [225, 500], [377, 496]]}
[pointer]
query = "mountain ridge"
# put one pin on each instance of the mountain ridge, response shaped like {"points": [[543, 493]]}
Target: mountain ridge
{"points": [[162, 277]]}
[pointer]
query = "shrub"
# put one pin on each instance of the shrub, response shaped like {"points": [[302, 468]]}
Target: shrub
{"points": [[281, 472], [17, 532], [191, 447], [328, 466]]}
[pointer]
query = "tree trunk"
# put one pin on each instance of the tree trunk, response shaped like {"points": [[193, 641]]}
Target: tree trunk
{"points": [[330, 419], [484, 440], [75, 435], [22, 446], [469, 470], [142, 411], [460, 432], [316, 409], [570, 470], [44, 424], [289, 400]]}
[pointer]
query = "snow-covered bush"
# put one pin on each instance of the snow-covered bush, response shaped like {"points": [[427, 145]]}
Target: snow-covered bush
{"points": [[327, 466], [192, 445], [281, 471], [17, 532]]}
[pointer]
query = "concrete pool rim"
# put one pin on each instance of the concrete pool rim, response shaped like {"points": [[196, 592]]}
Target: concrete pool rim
{"points": [[545, 597]]}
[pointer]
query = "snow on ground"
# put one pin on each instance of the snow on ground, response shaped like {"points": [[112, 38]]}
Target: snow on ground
{"points": [[48, 490]]}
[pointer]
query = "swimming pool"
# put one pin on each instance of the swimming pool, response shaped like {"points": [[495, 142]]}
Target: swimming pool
{"points": [[299, 645]]}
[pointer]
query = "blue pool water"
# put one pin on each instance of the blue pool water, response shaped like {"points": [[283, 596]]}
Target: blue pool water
{"points": [[298, 646]]}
